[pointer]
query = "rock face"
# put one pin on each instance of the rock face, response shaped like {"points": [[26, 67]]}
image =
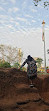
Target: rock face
{"points": [[17, 95]]}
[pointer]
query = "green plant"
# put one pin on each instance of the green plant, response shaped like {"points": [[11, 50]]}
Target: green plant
{"points": [[16, 65], [5, 65], [39, 62]]}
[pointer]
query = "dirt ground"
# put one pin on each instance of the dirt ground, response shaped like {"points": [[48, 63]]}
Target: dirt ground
{"points": [[17, 95]]}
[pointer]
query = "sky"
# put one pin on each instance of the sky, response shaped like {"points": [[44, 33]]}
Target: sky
{"points": [[21, 26]]}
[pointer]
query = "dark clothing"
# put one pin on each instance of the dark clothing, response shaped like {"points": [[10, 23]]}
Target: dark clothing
{"points": [[32, 77], [31, 68]]}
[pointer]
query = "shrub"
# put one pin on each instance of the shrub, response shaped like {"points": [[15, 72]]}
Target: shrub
{"points": [[5, 65], [17, 65]]}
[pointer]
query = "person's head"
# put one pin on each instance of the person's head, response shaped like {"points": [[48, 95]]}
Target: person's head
{"points": [[29, 58]]}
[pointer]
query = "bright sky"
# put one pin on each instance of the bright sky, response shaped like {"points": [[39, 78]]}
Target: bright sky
{"points": [[21, 26]]}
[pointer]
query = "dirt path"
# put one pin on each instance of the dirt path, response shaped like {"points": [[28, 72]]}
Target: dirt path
{"points": [[16, 95]]}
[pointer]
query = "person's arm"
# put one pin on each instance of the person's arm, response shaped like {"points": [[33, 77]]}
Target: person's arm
{"points": [[23, 63]]}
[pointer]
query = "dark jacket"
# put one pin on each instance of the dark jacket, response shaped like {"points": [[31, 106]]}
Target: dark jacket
{"points": [[31, 68]]}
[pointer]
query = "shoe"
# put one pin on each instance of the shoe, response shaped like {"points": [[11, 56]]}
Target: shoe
{"points": [[31, 85]]}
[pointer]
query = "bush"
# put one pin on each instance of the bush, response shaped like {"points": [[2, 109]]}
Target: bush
{"points": [[24, 69], [17, 65], [5, 65]]}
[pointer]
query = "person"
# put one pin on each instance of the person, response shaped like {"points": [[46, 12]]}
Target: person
{"points": [[31, 69]]}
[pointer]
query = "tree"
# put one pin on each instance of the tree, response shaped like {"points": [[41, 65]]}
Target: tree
{"points": [[45, 3], [8, 53], [12, 54], [39, 62], [2, 52], [16, 65], [20, 55]]}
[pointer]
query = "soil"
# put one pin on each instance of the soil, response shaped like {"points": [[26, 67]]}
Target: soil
{"points": [[17, 95]]}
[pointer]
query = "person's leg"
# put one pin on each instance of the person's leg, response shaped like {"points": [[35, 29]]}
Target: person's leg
{"points": [[33, 79], [29, 80]]}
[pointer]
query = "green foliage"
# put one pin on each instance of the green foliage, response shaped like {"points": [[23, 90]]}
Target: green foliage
{"points": [[23, 69], [5, 65], [39, 62], [45, 3], [16, 65]]}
